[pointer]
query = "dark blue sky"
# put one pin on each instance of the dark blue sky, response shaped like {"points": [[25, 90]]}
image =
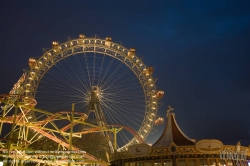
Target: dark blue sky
{"points": [[200, 51]]}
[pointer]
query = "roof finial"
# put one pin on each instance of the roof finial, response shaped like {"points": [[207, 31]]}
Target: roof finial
{"points": [[169, 109]]}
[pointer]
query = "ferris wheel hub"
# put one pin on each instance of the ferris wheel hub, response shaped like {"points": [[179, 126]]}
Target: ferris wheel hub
{"points": [[95, 94], [95, 89]]}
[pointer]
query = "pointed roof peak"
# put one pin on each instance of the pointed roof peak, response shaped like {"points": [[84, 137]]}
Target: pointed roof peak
{"points": [[172, 133], [169, 109]]}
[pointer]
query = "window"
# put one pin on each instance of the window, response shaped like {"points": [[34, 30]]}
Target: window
{"points": [[243, 163], [221, 163], [147, 163], [126, 164], [139, 163], [229, 163], [168, 163], [132, 164], [212, 162], [181, 163], [192, 162], [157, 163], [203, 162]]}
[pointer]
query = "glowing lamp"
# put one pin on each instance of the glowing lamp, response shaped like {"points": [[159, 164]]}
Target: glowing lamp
{"points": [[108, 41], [81, 36]]}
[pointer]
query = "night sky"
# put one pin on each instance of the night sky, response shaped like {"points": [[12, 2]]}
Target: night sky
{"points": [[200, 51]]}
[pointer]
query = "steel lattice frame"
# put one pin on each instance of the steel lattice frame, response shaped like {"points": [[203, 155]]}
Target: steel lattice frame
{"points": [[40, 66]]}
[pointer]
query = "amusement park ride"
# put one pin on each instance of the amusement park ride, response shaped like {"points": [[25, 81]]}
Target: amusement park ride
{"points": [[28, 124]]}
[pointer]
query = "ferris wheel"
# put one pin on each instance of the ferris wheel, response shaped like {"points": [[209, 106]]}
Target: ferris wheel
{"points": [[105, 80]]}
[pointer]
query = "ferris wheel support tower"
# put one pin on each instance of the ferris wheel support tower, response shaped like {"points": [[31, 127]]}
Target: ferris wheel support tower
{"points": [[94, 106]]}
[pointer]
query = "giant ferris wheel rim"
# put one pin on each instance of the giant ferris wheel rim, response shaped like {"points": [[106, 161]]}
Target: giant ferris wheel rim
{"points": [[40, 66]]}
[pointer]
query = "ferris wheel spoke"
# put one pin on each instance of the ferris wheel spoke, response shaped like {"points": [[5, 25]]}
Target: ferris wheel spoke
{"points": [[126, 104], [122, 85], [93, 78], [108, 110], [75, 75], [112, 75], [86, 63], [84, 80], [104, 75], [116, 119], [114, 108], [124, 137], [63, 94], [110, 82], [60, 82], [124, 113], [100, 70], [113, 120], [117, 95], [48, 85], [70, 79], [129, 116], [131, 110]]}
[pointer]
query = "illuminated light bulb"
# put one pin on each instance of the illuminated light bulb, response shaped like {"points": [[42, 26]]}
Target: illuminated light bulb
{"points": [[145, 130], [154, 102]]}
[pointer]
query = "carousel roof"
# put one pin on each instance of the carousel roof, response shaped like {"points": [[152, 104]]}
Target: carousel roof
{"points": [[172, 133]]}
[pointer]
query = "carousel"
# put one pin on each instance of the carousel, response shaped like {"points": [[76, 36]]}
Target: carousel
{"points": [[174, 148]]}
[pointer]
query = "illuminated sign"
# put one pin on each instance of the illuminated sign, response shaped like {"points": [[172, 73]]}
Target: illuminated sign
{"points": [[209, 145], [139, 150]]}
